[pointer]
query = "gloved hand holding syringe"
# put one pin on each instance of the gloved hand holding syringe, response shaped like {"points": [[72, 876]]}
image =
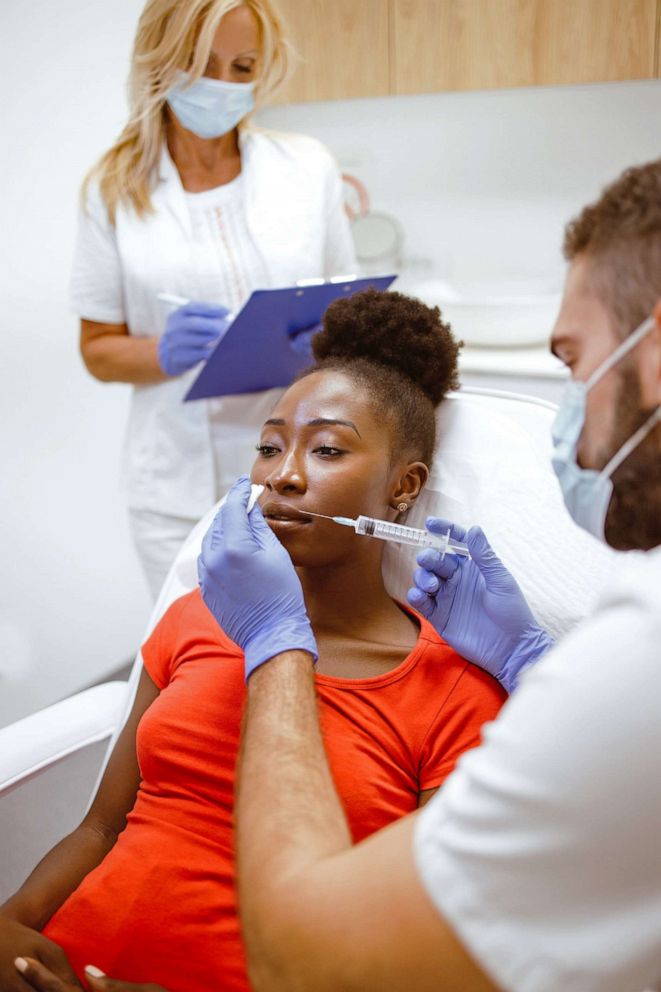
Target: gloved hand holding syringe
{"points": [[386, 530]]}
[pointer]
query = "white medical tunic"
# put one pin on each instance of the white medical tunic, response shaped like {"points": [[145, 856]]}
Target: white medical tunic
{"points": [[543, 850], [294, 217]]}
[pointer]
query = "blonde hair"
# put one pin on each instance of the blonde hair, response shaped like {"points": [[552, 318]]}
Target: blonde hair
{"points": [[175, 35]]}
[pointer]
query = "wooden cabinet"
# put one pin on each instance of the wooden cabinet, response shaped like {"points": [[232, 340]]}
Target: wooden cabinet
{"points": [[362, 48], [487, 44], [343, 47]]}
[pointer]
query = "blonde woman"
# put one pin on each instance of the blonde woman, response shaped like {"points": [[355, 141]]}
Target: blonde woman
{"points": [[192, 201]]}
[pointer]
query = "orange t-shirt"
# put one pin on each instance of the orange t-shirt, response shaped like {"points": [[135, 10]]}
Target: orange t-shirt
{"points": [[161, 907]]}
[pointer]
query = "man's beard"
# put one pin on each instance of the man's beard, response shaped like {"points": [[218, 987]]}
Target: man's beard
{"points": [[633, 520]]}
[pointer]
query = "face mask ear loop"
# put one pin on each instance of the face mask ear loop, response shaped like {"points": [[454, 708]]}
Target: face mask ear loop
{"points": [[632, 443], [627, 345]]}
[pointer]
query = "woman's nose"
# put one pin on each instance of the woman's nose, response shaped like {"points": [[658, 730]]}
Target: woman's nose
{"points": [[221, 71], [287, 476]]}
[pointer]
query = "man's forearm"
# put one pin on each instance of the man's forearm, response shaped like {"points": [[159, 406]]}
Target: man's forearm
{"points": [[319, 914], [289, 813], [283, 755]]}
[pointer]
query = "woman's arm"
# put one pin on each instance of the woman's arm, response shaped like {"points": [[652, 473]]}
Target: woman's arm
{"points": [[111, 354], [66, 865]]}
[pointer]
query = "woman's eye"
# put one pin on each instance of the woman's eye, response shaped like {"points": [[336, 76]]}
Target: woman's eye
{"points": [[328, 451], [266, 450], [244, 68]]}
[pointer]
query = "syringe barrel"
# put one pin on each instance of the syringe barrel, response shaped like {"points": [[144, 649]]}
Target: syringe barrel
{"points": [[400, 534]]}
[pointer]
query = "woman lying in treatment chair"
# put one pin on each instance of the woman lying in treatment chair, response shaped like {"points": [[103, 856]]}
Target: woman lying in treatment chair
{"points": [[144, 888]]}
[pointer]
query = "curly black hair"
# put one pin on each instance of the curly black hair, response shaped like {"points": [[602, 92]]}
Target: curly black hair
{"points": [[401, 352]]}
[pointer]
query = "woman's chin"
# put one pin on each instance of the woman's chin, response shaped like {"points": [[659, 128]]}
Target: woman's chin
{"points": [[304, 552]]}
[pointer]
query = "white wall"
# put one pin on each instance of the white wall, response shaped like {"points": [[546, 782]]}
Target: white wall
{"points": [[482, 183], [73, 603]]}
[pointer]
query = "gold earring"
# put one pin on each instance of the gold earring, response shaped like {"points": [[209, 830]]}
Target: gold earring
{"points": [[402, 507]]}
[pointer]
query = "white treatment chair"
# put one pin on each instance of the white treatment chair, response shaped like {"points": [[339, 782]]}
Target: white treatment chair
{"points": [[49, 762], [492, 467]]}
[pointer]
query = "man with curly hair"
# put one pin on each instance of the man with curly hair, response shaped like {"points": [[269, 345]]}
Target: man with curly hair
{"points": [[537, 867]]}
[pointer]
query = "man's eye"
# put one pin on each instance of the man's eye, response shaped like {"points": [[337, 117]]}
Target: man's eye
{"points": [[266, 450]]}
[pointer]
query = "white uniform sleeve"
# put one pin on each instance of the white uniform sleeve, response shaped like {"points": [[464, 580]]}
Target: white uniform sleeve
{"points": [[339, 253], [543, 850], [96, 279]]}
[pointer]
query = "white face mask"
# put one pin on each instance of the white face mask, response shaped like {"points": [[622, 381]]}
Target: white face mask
{"points": [[587, 492], [210, 107]]}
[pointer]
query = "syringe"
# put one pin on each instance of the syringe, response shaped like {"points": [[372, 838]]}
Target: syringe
{"points": [[385, 530]]}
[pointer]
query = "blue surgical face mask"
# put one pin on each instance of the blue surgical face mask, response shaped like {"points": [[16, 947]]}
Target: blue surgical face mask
{"points": [[587, 492], [210, 107]]}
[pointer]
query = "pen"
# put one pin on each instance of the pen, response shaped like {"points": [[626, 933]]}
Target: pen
{"points": [[175, 301]]}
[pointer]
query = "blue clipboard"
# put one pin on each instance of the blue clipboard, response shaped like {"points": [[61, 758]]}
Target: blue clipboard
{"points": [[256, 352]]}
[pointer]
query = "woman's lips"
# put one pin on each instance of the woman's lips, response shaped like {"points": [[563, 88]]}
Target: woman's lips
{"points": [[285, 515]]}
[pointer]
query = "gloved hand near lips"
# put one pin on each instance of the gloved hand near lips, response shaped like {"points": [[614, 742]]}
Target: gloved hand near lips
{"points": [[191, 333], [250, 585], [476, 605]]}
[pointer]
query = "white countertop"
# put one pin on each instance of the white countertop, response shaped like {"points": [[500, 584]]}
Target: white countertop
{"points": [[536, 361]]}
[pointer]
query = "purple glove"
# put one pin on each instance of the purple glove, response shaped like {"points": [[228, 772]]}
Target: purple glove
{"points": [[191, 332], [477, 606], [249, 583], [301, 341]]}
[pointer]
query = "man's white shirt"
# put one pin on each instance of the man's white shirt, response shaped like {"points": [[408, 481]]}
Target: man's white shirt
{"points": [[543, 849]]}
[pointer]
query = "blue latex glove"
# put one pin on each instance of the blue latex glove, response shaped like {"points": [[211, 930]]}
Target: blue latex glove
{"points": [[250, 585], [301, 341], [191, 333], [477, 606]]}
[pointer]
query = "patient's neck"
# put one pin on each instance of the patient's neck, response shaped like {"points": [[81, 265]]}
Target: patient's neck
{"points": [[359, 630]]}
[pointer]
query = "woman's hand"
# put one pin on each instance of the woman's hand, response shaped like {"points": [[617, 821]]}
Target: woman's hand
{"points": [[39, 977], [19, 940], [190, 335], [301, 341]]}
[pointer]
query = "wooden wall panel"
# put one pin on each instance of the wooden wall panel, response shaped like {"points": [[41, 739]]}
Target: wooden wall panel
{"points": [[484, 44], [344, 49]]}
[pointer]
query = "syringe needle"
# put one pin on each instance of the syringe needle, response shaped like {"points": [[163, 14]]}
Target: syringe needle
{"points": [[338, 520]]}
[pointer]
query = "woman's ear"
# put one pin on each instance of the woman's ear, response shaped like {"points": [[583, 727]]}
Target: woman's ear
{"points": [[408, 486]]}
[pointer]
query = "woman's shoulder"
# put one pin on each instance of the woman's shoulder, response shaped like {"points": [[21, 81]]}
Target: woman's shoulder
{"points": [[188, 619], [91, 201]]}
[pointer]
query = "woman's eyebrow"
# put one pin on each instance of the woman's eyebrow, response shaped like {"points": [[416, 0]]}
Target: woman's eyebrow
{"points": [[320, 421], [317, 422], [251, 54]]}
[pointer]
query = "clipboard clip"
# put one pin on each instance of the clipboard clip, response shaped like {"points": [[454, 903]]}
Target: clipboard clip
{"points": [[323, 282]]}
